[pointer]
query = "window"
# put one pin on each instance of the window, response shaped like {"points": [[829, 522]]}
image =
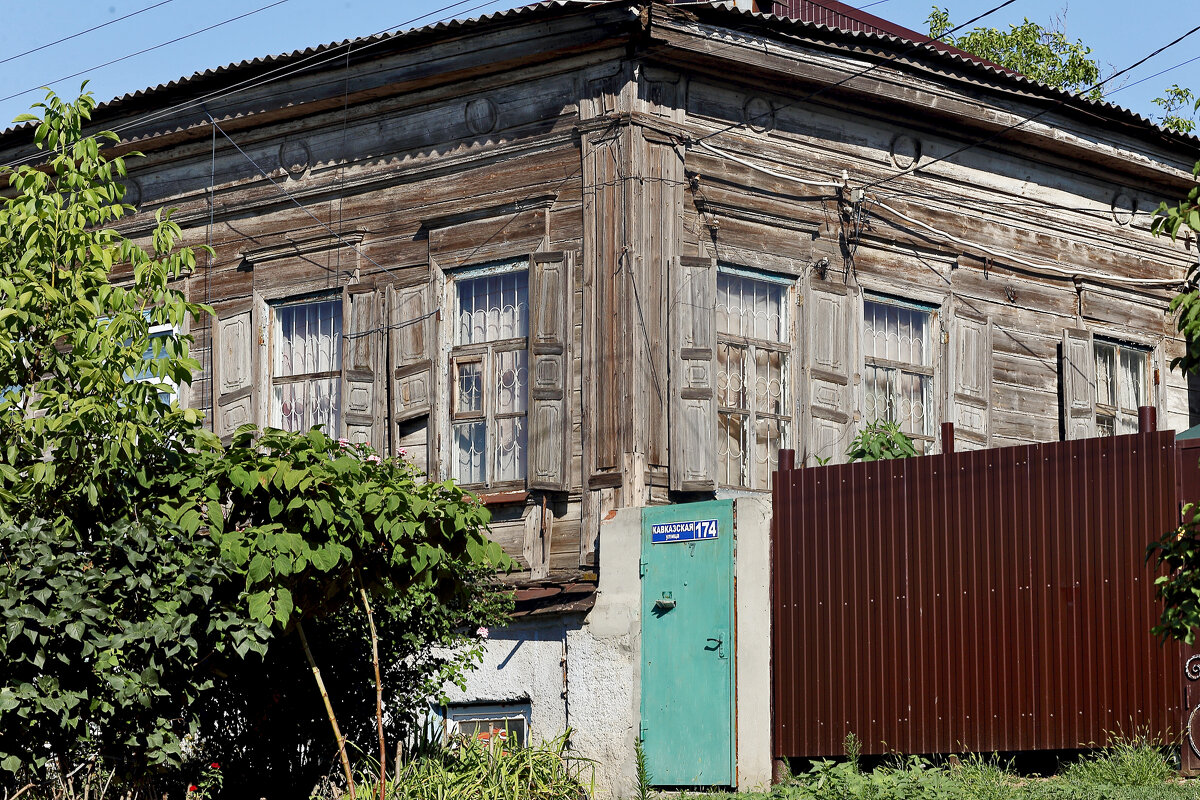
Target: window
{"points": [[508, 722], [1122, 373], [753, 387], [490, 375], [306, 365], [168, 392], [898, 359]]}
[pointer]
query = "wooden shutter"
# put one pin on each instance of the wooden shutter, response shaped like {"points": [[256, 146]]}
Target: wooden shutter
{"points": [[233, 369], [412, 345], [363, 389], [971, 380], [693, 343], [832, 328], [1077, 371], [549, 404]]}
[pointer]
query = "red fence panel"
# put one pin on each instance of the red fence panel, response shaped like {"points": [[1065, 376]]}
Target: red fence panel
{"points": [[995, 600]]}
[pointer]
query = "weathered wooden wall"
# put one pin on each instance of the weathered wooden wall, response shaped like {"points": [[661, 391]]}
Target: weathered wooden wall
{"points": [[570, 136]]}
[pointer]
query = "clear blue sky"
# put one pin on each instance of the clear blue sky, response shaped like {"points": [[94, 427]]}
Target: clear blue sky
{"points": [[1118, 32]]}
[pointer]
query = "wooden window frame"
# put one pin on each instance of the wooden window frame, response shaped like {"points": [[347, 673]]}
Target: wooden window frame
{"points": [[752, 345], [1112, 412], [485, 354], [928, 441], [273, 380]]}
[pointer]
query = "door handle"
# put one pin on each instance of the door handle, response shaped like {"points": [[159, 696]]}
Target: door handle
{"points": [[720, 645]]}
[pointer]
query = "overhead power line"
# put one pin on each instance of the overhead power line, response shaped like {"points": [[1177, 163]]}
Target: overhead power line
{"points": [[145, 50], [1078, 95], [859, 74], [279, 73], [296, 202], [84, 32]]}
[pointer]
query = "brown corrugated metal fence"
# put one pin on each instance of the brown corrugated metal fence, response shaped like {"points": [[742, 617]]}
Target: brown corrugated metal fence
{"points": [[995, 600]]}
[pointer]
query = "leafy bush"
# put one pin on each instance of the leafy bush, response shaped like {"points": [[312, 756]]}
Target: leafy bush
{"points": [[880, 440], [105, 642]]}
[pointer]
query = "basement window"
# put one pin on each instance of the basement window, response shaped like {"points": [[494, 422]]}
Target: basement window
{"points": [[1122, 381], [507, 722]]}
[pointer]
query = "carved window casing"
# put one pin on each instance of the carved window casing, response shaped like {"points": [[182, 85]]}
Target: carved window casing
{"points": [[306, 364], [898, 374], [753, 387], [489, 374], [1122, 384]]}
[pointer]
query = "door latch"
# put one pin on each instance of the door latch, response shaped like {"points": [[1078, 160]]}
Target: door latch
{"points": [[664, 603]]}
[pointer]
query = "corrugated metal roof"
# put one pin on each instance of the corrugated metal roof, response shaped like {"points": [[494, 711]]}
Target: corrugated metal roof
{"points": [[728, 9], [951, 56]]}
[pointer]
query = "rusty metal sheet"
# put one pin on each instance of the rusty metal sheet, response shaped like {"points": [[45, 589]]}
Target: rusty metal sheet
{"points": [[995, 600]]}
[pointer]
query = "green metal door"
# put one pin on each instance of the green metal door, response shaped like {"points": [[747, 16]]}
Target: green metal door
{"points": [[687, 644]]}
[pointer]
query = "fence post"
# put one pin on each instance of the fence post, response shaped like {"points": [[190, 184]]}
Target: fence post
{"points": [[1147, 419], [947, 438], [787, 459]]}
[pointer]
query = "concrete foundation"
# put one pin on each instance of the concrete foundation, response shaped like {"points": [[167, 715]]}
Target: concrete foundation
{"points": [[583, 671]]}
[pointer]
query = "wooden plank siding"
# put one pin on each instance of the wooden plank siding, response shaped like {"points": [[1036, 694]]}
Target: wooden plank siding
{"points": [[575, 130]]}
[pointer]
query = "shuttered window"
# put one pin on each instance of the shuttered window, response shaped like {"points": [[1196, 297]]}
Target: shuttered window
{"points": [[753, 387], [1122, 376], [168, 391], [306, 365], [898, 367], [490, 377]]}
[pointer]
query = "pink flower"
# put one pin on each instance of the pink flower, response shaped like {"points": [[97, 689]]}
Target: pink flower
{"points": [[482, 633], [343, 442], [374, 459], [403, 452]]}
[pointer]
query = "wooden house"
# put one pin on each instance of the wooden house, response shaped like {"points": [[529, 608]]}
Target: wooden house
{"points": [[587, 257]]}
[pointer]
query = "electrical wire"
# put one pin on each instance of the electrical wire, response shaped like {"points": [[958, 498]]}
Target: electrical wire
{"points": [[146, 50], [916, 46], [1012, 257], [284, 71], [297, 203], [766, 170], [84, 32], [1026, 120]]}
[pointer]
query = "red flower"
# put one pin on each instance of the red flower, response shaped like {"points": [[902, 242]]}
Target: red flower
{"points": [[215, 765], [193, 788]]}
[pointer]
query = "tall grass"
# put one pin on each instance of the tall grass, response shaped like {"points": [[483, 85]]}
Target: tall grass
{"points": [[477, 769]]}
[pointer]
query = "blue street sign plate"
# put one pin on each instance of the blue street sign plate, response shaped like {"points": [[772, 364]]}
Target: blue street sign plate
{"points": [[672, 532]]}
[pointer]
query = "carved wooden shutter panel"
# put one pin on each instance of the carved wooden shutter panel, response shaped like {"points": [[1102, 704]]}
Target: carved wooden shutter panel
{"points": [[412, 345], [832, 328], [1077, 371], [693, 409], [549, 402], [362, 354], [233, 368], [971, 380]]}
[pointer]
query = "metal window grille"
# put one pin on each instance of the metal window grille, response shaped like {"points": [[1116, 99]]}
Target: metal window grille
{"points": [[307, 365], [490, 377], [753, 386], [898, 374], [1121, 386]]}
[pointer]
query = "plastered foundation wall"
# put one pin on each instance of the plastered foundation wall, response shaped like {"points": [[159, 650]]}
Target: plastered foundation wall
{"points": [[598, 693]]}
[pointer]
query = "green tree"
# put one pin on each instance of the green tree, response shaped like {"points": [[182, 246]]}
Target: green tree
{"points": [[1180, 107], [147, 573], [1036, 52], [1177, 554]]}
